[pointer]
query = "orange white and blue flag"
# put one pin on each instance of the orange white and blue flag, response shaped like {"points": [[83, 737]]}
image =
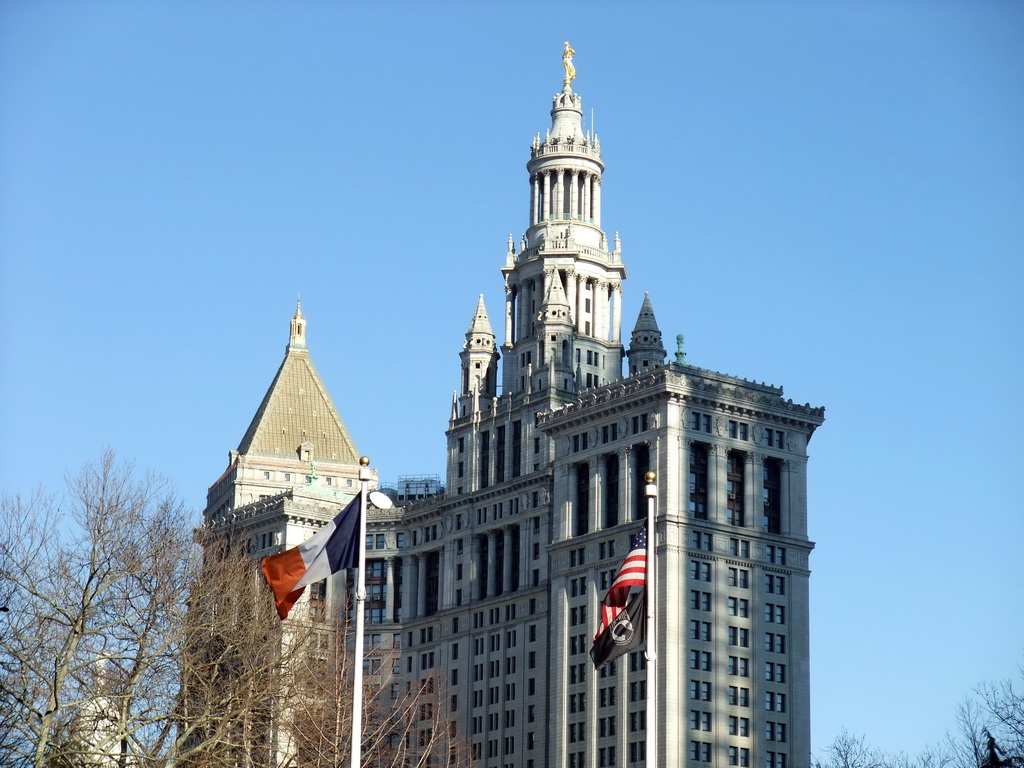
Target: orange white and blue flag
{"points": [[331, 549]]}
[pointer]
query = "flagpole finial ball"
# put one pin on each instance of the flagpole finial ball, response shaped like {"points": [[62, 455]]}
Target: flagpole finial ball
{"points": [[650, 477], [364, 461]]}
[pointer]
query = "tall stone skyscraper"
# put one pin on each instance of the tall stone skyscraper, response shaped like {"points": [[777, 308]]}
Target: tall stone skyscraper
{"points": [[492, 587], [506, 570]]}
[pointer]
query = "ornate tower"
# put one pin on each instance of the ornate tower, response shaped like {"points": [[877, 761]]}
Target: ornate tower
{"points": [[564, 244], [479, 362], [295, 427], [646, 349], [545, 489]]}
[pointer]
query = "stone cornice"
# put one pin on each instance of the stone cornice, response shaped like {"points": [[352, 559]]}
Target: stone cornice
{"points": [[435, 506], [691, 384]]}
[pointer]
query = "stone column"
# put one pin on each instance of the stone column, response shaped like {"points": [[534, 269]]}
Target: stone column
{"points": [[547, 195], [523, 556], [534, 197], [601, 306], [442, 580], [685, 446], [492, 563], [558, 678], [421, 584], [596, 493], [532, 305], [617, 316], [472, 574], [716, 483], [581, 302], [570, 279], [587, 181], [627, 470], [606, 310], [597, 201], [409, 583], [522, 304], [785, 499], [574, 193], [506, 563], [753, 482], [510, 301], [623, 456], [559, 194], [389, 595], [525, 569]]}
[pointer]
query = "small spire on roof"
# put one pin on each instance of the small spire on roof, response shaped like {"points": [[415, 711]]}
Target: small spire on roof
{"points": [[297, 338]]}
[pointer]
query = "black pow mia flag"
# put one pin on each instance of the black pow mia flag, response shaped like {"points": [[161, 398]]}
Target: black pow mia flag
{"points": [[626, 632]]}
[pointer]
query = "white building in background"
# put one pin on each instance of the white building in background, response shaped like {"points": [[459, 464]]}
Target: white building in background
{"points": [[294, 470], [491, 584]]}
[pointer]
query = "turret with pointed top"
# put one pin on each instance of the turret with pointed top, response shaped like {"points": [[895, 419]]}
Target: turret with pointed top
{"points": [[646, 350], [479, 359], [298, 329]]}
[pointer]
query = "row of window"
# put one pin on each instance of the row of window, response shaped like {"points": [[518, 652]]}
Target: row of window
{"points": [[739, 637], [705, 542], [738, 430], [771, 471], [497, 512], [609, 433], [608, 514], [738, 696], [295, 477], [738, 726], [501, 442], [737, 577], [700, 751]]}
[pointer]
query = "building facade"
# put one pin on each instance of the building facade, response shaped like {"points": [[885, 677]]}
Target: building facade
{"points": [[491, 586], [506, 571]]}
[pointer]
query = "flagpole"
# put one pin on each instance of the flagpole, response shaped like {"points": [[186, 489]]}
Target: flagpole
{"points": [[357, 673], [651, 652]]}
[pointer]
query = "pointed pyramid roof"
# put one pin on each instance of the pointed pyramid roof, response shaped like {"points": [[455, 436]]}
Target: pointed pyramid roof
{"points": [[480, 322], [555, 295], [555, 307], [297, 410], [646, 321]]}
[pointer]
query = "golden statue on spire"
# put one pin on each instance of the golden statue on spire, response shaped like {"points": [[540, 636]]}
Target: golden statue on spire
{"points": [[570, 70]]}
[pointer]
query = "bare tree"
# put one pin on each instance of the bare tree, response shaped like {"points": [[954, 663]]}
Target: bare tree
{"points": [[232, 664], [1004, 707], [989, 733], [966, 745], [404, 723], [130, 639], [849, 751], [94, 588]]}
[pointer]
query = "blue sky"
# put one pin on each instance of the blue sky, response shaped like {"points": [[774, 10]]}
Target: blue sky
{"points": [[826, 196]]}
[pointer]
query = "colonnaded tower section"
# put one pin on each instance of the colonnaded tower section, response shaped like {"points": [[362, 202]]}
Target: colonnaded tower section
{"points": [[563, 289]]}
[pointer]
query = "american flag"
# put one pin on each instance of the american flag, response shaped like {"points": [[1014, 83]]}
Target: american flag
{"points": [[631, 574]]}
